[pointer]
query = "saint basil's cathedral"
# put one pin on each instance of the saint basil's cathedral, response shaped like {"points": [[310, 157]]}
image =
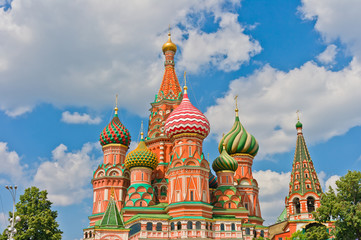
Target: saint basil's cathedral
{"points": [[164, 188]]}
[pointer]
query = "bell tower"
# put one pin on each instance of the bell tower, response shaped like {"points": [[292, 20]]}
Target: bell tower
{"points": [[304, 189]]}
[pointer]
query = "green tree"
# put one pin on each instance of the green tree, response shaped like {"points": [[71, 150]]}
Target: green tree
{"points": [[37, 219], [299, 235], [343, 206], [314, 232]]}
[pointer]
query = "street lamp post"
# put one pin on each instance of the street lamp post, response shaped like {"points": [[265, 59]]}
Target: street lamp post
{"points": [[11, 231]]}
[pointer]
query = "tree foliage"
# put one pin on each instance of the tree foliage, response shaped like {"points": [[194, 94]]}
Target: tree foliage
{"points": [[343, 206], [315, 232], [37, 219]]}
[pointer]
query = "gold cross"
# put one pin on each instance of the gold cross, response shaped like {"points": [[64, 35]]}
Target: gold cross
{"points": [[235, 98], [298, 116]]}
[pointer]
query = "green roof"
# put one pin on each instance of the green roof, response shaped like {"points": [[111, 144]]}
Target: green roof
{"points": [[111, 217], [283, 216], [299, 170]]}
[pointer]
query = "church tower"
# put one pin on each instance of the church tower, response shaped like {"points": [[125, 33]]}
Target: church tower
{"points": [[304, 189], [188, 173], [111, 174], [243, 147], [168, 98], [304, 194]]}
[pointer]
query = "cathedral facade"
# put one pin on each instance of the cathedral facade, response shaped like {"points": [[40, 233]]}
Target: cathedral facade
{"points": [[165, 188]]}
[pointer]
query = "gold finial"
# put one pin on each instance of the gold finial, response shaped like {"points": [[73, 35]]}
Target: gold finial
{"points": [[185, 83], [224, 146], [236, 110], [169, 30], [298, 116], [112, 193], [116, 104], [141, 131]]}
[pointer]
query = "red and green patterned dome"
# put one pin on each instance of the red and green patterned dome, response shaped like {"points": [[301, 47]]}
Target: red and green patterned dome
{"points": [[238, 140], [224, 162], [186, 119], [141, 157], [115, 132]]}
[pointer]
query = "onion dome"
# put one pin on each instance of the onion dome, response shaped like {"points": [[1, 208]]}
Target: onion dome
{"points": [[141, 157], [186, 119], [169, 45], [224, 162], [115, 132], [238, 140], [298, 124], [212, 180]]}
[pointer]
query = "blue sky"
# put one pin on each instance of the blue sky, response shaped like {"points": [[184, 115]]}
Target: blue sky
{"points": [[63, 62]]}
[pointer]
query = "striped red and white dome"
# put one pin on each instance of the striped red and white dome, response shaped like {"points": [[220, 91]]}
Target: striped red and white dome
{"points": [[186, 119]]}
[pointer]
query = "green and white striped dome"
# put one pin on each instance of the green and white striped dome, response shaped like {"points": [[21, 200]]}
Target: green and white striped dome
{"points": [[239, 141], [224, 162]]}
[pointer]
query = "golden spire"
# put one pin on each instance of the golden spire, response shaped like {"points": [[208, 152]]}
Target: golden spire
{"points": [[185, 83], [141, 131], [298, 116], [236, 110], [116, 104]]}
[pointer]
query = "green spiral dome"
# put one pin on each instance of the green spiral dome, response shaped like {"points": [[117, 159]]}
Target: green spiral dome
{"points": [[141, 157], [239, 141], [224, 162]]}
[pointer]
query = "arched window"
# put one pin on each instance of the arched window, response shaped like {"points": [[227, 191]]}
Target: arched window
{"points": [[246, 205], [172, 226], [179, 226], [262, 233], [310, 204], [86, 235], [189, 225], [90, 234], [229, 205], [140, 203], [210, 226], [149, 226], [207, 225], [222, 227], [254, 233], [297, 205], [233, 227], [248, 231], [159, 226], [191, 195], [198, 225]]}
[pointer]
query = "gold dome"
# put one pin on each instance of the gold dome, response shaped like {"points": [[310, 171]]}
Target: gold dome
{"points": [[169, 45]]}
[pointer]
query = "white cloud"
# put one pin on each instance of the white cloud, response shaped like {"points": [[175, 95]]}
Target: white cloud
{"points": [[66, 176], [78, 118], [84, 53], [328, 56], [336, 20], [274, 188], [11, 169], [3, 221], [269, 98], [227, 49], [331, 182]]}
